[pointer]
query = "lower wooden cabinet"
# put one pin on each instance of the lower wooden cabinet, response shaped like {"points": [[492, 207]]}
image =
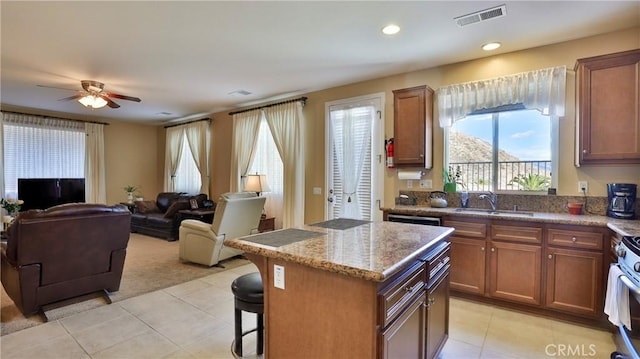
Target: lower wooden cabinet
{"points": [[437, 330], [550, 267], [514, 272], [405, 338], [468, 262], [574, 281]]}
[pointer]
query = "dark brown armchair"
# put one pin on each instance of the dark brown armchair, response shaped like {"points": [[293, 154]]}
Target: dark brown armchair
{"points": [[64, 252]]}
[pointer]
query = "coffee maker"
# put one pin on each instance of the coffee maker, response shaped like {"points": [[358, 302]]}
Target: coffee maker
{"points": [[622, 200]]}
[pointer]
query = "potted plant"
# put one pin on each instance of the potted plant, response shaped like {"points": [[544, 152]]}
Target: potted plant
{"points": [[452, 178], [130, 190]]}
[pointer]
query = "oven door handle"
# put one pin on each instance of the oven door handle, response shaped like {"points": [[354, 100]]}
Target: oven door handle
{"points": [[621, 328]]}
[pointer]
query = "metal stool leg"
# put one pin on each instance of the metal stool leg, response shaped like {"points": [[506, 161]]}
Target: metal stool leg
{"points": [[238, 332]]}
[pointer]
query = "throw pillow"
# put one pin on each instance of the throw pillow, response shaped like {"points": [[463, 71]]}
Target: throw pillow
{"points": [[175, 207], [147, 207]]}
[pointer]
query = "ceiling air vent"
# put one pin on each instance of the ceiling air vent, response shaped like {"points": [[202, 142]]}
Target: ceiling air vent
{"points": [[498, 11]]}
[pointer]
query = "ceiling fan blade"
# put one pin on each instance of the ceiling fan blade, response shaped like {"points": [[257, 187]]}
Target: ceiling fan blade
{"points": [[58, 88], [123, 97], [109, 102], [74, 97]]}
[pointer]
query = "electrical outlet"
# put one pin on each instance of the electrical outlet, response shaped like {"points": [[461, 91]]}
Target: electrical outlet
{"points": [[583, 187], [409, 184], [426, 184], [278, 276]]}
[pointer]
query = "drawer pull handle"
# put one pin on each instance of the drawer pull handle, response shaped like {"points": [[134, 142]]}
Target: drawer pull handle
{"points": [[550, 256], [493, 249], [411, 289], [482, 249], [574, 239]]}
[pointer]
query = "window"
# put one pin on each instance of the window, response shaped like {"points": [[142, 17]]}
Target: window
{"points": [[267, 162], [187, 178], [504, 150], [42, 151]]}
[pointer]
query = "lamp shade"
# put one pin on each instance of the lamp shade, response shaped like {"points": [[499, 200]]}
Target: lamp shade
{"points": [[257, 183], [93, 101]]}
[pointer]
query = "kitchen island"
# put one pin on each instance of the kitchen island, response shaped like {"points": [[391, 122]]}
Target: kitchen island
{"points": [[353, 289]]}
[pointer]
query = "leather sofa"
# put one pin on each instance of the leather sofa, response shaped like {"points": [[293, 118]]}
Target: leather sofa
{"points": [[64, 252], [161, 218]]}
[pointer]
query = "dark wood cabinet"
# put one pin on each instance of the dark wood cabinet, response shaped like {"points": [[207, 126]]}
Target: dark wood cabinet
{"points": [[575, 271], [514, 272], [468, 263], [412, 126], [437, 330], [608, 109], [414, 308]]}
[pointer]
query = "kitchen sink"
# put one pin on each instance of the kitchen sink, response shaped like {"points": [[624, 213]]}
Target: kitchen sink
{"points": [[497, 212]]}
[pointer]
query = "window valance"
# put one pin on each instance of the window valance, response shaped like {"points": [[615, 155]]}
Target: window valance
{"points": [[543, 90]]}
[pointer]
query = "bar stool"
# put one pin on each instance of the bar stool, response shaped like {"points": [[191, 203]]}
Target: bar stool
{"points": [[249, 297]]}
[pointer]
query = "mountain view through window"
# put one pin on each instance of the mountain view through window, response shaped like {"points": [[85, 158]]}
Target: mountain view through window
{"points": [[503, 151]]}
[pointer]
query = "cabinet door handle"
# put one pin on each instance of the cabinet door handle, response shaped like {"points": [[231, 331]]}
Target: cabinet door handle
{"points": [[574, 239], [493, 249], [482, 249], [584, 151], [550, 256]]}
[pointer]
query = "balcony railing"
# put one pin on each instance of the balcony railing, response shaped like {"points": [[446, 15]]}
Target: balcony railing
{"points": [[478, 176]]}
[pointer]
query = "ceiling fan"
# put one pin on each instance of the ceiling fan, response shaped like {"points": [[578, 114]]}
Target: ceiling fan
{"points": [[94, 95]]}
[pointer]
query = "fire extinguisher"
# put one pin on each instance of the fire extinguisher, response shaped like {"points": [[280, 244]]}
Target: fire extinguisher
{"points": [[389, 147]]}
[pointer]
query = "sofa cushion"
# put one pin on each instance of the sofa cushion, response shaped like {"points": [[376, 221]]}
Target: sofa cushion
{"points": [[175, 207], [165, 199], [147, 207]]}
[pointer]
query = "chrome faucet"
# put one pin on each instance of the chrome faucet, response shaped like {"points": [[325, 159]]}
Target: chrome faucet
{"points": [[492, 198]]}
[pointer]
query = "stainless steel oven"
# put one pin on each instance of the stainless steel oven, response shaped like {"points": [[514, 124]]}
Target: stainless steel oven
{"points": [[415, 219], [628, 339]]}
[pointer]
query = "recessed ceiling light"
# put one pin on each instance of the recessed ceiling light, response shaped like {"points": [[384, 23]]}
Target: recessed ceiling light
{"points": [[391, 29], [491, 46]]}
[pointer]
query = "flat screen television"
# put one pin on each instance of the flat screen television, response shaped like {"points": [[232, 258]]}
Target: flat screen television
{"points": [[42, 193]]}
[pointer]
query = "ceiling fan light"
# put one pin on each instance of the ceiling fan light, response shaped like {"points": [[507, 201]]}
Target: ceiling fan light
{"points": [[99, 102], [92, 101], [491, 46]]}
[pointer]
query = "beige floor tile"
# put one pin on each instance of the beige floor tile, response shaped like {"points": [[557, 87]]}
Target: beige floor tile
{"points": [[18, 341], [110, 333], [489, 354], [223, 311], [177, 311], [209, 297], [150, 301], [150, 345], [84, 321], [188, 331], [185, 289], [455, 349], [222, 280], [60, 347], [469, 323], [518, 334]]}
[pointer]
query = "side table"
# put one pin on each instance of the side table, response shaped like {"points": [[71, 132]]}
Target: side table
{"points": [[204, 215], [267, 224], [130, 205]]}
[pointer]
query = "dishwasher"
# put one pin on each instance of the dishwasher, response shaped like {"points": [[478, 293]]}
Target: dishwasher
{"points": [[414, 219]]}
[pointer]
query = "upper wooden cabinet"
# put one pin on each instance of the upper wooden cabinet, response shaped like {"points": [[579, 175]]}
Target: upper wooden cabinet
{"points": [[608, 109], [412, 126]]}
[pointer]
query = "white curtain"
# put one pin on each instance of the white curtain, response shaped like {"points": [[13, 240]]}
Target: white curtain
{"points": [[173, 152], [198, 136], [543, 90], [352, 142], [286, 122], [94, 169], [245, 134]]}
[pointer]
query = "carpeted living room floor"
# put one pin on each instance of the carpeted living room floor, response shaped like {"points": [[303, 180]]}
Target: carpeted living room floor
{"points": [[151, 264]]}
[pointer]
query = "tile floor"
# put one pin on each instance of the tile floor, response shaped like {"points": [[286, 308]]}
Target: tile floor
{"points": [[195, 320]]}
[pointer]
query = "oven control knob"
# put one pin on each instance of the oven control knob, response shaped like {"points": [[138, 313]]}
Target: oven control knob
{"points": [[620, 251], [636, 267]]}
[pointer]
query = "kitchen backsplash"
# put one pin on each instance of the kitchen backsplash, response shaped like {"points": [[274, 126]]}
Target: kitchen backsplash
{"points": [[534, 203]]}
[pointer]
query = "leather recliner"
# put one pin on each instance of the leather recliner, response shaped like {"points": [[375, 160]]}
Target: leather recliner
{"points": [[161, 218], [237, 214], [64, 252]]}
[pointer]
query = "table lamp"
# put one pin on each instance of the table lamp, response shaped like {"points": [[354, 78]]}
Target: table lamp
{"points": [[257, 183]]}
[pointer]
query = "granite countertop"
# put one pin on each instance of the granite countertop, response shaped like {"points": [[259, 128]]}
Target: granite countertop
{"points": [[370, 250], [622, 226]]}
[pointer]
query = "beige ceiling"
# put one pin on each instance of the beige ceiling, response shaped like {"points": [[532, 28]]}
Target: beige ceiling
{"points": [[185, 59]]}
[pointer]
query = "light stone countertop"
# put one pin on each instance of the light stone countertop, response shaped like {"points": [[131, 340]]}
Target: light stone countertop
{"points": [[373, 251], [622, 226]]}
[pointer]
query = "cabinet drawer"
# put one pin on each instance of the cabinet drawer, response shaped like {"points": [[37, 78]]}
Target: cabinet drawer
{"points": [[438, 264], [394, 299], [575, 239], [516, 233], [468, 229]]}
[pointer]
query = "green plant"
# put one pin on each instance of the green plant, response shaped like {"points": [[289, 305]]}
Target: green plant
{"points": [[12, 205], [531, 182], [451, 176], [130, 189]]}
